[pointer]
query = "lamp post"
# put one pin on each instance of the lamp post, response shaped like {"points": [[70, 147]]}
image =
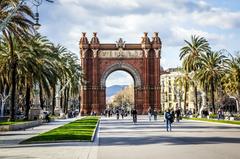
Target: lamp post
{"points": [[36, 3]]}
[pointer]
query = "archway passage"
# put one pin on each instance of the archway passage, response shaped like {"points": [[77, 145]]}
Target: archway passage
{"points": [[119, 91], [141, 60]]}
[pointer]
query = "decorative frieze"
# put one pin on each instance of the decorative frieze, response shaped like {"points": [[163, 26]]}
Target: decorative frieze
{"points": [[120, 53]]}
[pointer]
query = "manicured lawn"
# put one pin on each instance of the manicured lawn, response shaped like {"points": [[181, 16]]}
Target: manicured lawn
{"points": [[11, 122], [79, 130], [215, 121]]}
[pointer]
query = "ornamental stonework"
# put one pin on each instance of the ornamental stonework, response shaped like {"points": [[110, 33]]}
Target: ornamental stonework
{"points": [[141, 60], [120, 54]]}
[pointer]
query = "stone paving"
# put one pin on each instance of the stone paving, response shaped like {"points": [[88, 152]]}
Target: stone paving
{"points": [[149, 140], [10, 149], [122, 139], [12, 138]]}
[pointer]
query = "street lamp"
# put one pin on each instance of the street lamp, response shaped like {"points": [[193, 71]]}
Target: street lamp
{"points": [[36, 3]]}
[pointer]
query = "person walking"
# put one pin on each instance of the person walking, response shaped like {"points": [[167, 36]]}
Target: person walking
{"points": [[155, 114], [149, 113], [178, 112], [220, 114], [169, 120], [117, 113], [134, 114], [122, 113]]}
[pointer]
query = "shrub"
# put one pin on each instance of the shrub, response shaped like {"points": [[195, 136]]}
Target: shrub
{"points": [[213, 116], [195, 115], [236, 116]]}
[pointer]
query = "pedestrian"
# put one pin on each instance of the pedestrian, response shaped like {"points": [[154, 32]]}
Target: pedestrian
{"points": [[117, 113], [169, 120], [122, 113], [149, 113], [47, 118], [178, 112], [134, 114], [220, 113], [155, 114]]}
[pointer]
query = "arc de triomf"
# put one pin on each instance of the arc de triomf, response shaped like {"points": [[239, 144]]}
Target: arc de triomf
{"points": [[141, 60]]}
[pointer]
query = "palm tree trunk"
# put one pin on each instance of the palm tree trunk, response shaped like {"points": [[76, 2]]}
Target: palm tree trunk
{"points": [[65, 100], [53, 99], [212, 95], [80, 102], [13, 80], [196, 98], [61, 98], [28, 96], [41, 95], [185, 98]]}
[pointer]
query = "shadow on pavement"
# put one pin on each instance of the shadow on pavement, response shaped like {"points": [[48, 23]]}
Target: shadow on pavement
{"points": [[111, 141]]}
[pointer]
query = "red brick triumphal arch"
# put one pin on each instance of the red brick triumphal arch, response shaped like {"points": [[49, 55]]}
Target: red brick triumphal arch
{"points": [[141, 60]]}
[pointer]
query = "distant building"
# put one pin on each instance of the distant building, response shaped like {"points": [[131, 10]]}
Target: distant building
{"points": [[171, 95]]}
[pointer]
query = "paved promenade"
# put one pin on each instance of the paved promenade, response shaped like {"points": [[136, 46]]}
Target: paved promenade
{"points": [[121, 139], [10, 149], [188, 140], [12, 138]]}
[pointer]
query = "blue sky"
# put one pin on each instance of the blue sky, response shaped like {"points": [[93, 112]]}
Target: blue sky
{"points": [[175, 20]]}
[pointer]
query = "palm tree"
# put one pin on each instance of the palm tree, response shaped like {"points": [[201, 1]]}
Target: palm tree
{"points": [[212, 69], [39, 69], [183, 82], [231, 80], [19, 27], [190, 55]]}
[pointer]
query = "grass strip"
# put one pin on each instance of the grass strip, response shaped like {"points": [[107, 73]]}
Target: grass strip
{"points": [[215, 121], [79, 130], [11, 122]]}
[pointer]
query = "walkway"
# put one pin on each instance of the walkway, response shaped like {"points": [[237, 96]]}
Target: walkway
{"points": [[12, 138], [121, 139], [189, 139], [9, 149]]}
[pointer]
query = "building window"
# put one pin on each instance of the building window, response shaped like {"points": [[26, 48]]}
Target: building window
{"points": [[170, 98], [169, 90], [175, 97]]}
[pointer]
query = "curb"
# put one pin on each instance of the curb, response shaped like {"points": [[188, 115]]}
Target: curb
{"points": [[21, 126], [95, 131]]}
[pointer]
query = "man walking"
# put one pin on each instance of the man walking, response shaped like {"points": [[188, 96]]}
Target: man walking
{"points": [[169, 120], [134, 114]]}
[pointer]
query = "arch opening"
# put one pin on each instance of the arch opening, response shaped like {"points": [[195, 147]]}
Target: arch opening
{"points": [[123, 67], [119, 91]]}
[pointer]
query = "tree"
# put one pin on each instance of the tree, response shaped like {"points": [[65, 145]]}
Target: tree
{"points": [[231, 79], [212, 68], [19, 27], [190, 54], [124, 98], [183, 82]]}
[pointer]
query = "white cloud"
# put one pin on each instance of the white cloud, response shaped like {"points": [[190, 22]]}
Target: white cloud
{"points": [[218, 18], [181, 33], [174, 20]]}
